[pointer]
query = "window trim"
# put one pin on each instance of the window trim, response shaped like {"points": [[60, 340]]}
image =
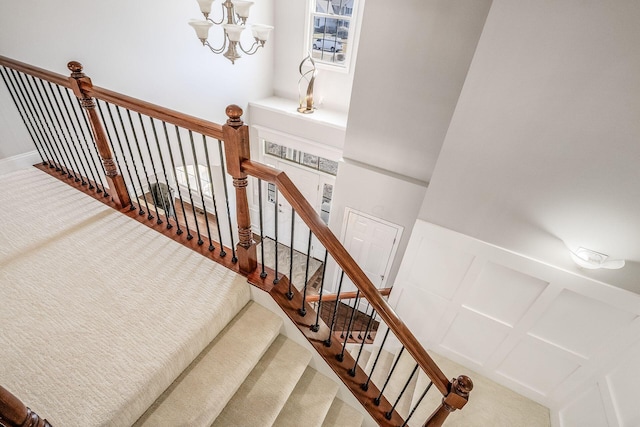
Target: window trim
{"points": [[353, 39]]}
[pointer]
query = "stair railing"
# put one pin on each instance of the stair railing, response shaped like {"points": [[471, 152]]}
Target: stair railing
{"points": [[240, 166], [74, 138]]}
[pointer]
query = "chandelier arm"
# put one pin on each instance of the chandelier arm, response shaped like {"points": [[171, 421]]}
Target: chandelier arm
{"points": [[219, 50], [221, 19], [253, 49]]}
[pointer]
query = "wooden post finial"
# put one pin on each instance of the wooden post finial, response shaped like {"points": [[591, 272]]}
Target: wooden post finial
{"points": [[234, 112], [76, 69], [463, 385]]}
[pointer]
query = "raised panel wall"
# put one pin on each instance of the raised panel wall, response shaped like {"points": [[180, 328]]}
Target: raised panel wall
{"points": [[560, 339]]}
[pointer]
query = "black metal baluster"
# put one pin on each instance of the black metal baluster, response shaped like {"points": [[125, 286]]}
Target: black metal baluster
{"points": [[389, 413], [74, 108], [352, 372], [316, 326], [327, 342], [28, 100], [234, 258], [52, 127], [340, 356], [173, 165], [293, 223], [204, 206], [424, 393], [213, 196], [64, 142], [303, 310], [46, 129], [344, 323], [95, 152], [22, 112], [275, 226], [124, 156], [376, 401], [69, 121], [365, 386], [186, 171], [263, 273], [153, 167], [171, 207], [144, 168], [133, 161], [366, 310]]}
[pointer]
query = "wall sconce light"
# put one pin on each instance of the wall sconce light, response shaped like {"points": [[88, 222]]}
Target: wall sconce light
{"points": [[234, 18], [586, 258]]}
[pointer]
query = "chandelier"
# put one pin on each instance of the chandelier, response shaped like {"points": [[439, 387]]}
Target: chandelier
{"points": [[233, 21]]}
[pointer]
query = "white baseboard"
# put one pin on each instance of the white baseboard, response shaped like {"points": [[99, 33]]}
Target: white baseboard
{"points": [[21, 161]]}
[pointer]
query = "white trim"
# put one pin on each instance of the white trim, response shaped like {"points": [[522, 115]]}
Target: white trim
{"points": [[20, 161]]}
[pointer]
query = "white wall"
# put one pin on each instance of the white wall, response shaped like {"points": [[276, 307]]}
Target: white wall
{"points": [[564, 340], [408, 79], [144, 49], [542, 150], [14, 139]]}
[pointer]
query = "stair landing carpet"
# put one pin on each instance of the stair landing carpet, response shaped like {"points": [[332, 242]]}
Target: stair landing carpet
{"points": [[98, 315]]}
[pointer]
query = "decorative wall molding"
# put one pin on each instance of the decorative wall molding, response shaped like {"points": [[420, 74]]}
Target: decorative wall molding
{"points": [[563, 340]]}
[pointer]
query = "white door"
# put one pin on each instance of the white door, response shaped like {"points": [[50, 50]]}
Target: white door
{"points": [[372, 242]]}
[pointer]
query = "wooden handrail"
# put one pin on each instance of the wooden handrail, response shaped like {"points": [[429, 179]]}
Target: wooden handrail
{"points": [[173, 117], [43, 74], [344, 295], [331, 243]]}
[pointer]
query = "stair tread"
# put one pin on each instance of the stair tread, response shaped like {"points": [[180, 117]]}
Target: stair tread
{"points": [[397, 382], [312, 397], [342, 415], [267, 388], [201, 392], [364, 356], [427, 405]]}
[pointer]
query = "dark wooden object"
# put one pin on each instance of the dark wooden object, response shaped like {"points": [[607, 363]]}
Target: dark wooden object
{"points": [[114, 179], [13, 413], [236, 145]]}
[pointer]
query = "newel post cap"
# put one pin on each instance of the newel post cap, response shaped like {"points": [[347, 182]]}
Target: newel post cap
{"points": [[76, 69], [234, 112], [463, 385]]}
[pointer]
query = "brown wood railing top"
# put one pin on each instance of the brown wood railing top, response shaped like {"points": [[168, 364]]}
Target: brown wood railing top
{"points": [[56, 78], [331, 243], [343, 295], [186, 121]]}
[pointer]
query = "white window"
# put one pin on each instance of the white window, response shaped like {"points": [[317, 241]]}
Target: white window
{"points": [[332, 31], [191, 176]]}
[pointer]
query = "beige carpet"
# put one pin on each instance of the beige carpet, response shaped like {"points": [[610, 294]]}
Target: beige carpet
{"points": [[490, 404], [99, 315]]}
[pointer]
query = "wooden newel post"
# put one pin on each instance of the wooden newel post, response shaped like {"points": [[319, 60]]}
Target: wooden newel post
{"points": [[13, 413], [236, 148], [114, 179], [456, 399]]}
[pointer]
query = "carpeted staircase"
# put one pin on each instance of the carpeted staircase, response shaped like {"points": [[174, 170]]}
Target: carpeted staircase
{"points": [[101, 317], [251, 375]]}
